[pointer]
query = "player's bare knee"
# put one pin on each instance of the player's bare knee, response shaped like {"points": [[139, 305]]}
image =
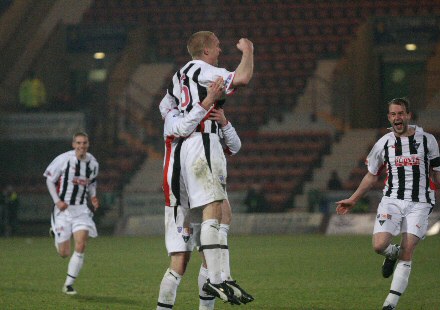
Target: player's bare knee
{"points": [[80, 246], [406, 253], [64, 253], [179, 262], [379, 248]]}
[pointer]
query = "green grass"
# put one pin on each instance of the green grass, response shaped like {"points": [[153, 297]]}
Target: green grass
{"points": [[282, 272]]}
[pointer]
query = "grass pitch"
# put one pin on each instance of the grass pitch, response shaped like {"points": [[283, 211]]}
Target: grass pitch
{"points": [[282, 272]]}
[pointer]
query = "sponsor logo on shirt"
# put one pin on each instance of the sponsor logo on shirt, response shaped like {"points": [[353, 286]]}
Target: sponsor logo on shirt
{"points": [[401, 161]]}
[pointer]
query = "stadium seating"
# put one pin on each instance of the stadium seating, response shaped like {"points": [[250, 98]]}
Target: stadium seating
{"points": [[278, 161], [289, 36]]}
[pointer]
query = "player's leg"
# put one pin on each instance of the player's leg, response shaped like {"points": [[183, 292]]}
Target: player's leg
{"points": [[210, 245], [63, 248], [402, 271], [224, 247], [203, 169], [171, 280], [82, 227], [387, 225], [179, 243], [76, 260], [239, 292], [61, 231], [382, 245], [206, 301], [210, 240], [414, 227]]}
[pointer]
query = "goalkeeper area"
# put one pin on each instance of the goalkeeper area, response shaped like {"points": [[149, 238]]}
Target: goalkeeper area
{"points": [[282, 272]]}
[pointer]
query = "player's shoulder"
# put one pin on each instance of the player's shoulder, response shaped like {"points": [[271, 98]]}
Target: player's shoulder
{"points": [[91, 158], [205, 67], [65, 156], [420, 131], [61, 159], [387, 136]]}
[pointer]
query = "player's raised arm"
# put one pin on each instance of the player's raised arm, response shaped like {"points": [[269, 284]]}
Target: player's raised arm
{"points": [[245, 70]]}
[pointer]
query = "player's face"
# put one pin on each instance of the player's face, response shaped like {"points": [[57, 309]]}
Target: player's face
{"points": [[399, 119], [80, 144], [214, 51]]}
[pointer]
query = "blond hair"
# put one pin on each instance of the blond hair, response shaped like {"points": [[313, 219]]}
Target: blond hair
{"points": [[198, 42], [80, 134]]}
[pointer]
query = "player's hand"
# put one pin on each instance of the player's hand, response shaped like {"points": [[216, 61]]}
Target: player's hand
{"points": [[245, 45], [61, 205], [95, 202], [218, 115], [344, 206], [216, 89]]}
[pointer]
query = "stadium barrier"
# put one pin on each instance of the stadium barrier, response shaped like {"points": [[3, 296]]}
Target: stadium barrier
{"points": [[242, 224], [41, 126], [267, 224], [360, 224]]}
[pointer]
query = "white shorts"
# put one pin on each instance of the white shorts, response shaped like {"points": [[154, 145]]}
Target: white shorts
{"points": [[179, 238], [397, 216], [73, 219], [204, 181]]}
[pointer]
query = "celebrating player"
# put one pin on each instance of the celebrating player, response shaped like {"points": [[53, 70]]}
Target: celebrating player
{"points": [[70, 179], [177, 127], [202, 149], [202, 162], [409, 156]]}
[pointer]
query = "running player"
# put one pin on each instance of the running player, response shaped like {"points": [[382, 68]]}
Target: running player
{"points": [[70, 179], [203, 165], [410, 156]]}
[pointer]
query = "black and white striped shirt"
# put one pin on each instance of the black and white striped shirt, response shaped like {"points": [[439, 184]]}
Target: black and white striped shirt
{"points": [[73, 177], [189, 87], [407, 161]]}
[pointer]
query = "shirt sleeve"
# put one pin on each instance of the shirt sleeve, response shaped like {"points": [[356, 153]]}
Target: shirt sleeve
{"points": [[375, 158], [92, 189], [167, 104], [433, 155], [231, 139], [53, 171], [52, 191], [182, 126], [214, 73], [95, 173]]}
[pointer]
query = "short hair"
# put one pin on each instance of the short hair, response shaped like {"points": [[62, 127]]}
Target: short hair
{"points": [[197, 42], [79, 134], [400, 101]]}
